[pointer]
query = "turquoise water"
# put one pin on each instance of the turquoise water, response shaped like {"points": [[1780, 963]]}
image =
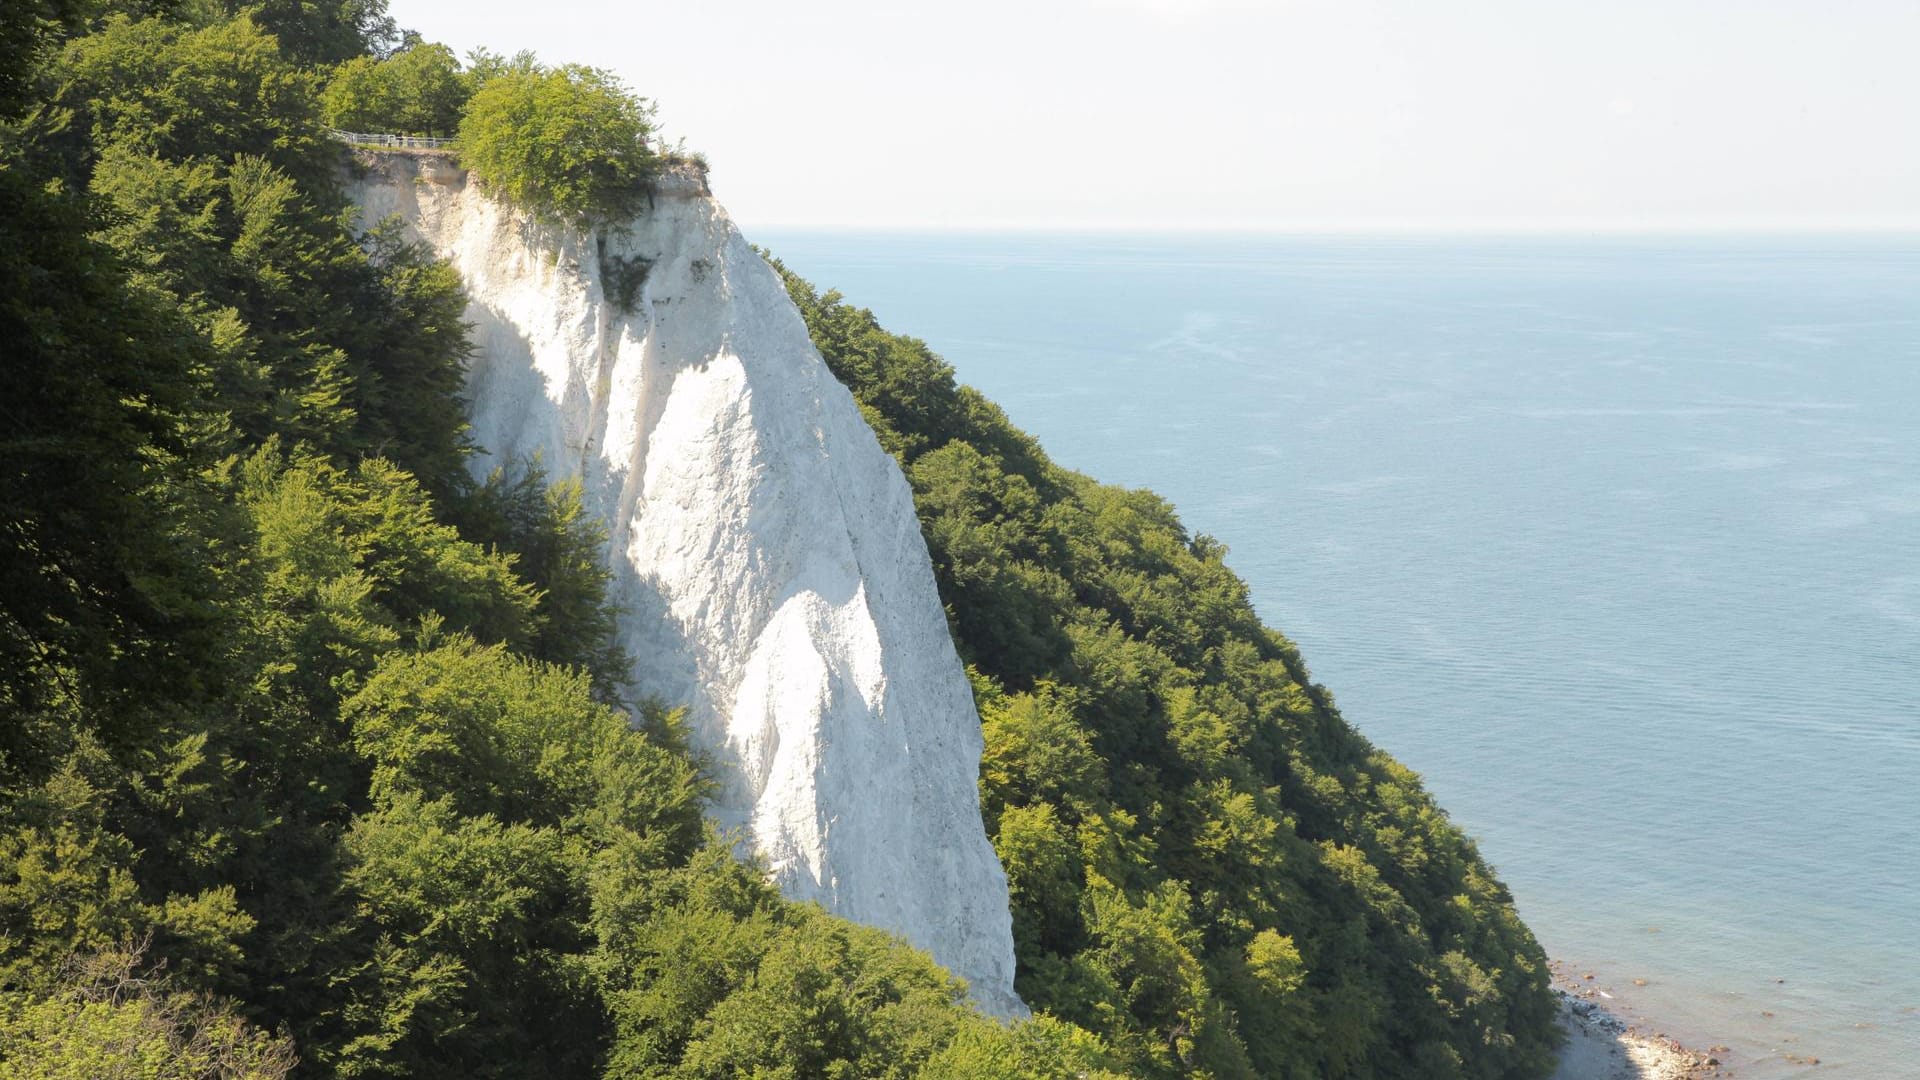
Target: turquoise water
{"points": [[1617, 541]]}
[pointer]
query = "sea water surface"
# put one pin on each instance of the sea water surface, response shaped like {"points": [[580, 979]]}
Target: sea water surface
{"points": [[1615, 540]]}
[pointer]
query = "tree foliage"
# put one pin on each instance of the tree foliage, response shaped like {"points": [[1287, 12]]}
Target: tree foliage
{"points": [[205, 148], [107, 1016], [569, 141], [420, 90]]}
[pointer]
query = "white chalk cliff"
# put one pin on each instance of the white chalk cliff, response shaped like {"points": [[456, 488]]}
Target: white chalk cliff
{"points": [[763, 545]]}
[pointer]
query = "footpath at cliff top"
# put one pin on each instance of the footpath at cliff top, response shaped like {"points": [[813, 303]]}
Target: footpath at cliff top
{"points": [[765, 551]]}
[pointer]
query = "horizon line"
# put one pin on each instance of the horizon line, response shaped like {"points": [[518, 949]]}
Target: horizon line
{"points": [[1378, 227]]}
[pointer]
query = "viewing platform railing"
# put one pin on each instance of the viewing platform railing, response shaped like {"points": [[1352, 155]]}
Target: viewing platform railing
{"points": [[395, 142]]}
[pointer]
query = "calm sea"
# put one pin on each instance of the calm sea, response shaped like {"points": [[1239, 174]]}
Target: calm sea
{"points": [[1615, 540]]}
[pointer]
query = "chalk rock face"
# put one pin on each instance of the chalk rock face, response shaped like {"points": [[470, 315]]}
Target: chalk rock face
{"points": [[763, 545]]}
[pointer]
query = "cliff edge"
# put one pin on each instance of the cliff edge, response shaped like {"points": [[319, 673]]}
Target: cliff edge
{"points": [[764, 548]]}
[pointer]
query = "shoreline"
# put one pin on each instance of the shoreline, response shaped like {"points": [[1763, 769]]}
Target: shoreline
{"points": [[1602, 1046]]}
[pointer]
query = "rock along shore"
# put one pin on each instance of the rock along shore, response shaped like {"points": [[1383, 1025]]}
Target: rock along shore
{"points": [[1602, 1046]]}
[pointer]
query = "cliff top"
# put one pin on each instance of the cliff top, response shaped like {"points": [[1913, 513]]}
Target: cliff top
{"points": [[681, 176]]}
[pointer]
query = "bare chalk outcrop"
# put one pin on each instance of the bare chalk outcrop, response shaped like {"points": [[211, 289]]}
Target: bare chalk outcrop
{"points": [[763, 546]]}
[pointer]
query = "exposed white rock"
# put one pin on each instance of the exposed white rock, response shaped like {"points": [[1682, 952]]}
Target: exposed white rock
{"points": [[763, 545]]}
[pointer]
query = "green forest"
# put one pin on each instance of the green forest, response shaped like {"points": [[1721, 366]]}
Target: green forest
{"points": [[318, 758]]}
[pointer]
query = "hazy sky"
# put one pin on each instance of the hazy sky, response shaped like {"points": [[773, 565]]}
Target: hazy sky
{"points": [[1324, 114]]}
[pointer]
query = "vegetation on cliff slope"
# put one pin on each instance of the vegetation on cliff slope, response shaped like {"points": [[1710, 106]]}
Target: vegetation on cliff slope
{"points": [[316, 755], [1209, 867], [312, 756]]}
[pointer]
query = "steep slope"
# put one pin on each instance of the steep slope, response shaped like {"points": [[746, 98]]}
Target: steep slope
{"points": [[1210, 867], [764, 547]]}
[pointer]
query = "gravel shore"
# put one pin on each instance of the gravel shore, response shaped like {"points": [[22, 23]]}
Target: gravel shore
{"points": [[1601, 1046]]}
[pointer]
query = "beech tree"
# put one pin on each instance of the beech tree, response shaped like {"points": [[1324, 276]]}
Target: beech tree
{"points": [[570, 141], [418, 91]]}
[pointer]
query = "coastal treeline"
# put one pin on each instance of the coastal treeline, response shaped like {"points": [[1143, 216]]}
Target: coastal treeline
{"points": [[317, 756], [1209, 867]]}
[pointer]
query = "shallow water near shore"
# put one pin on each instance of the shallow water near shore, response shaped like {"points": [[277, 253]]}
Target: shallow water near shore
{"points": [[1615, 540]]}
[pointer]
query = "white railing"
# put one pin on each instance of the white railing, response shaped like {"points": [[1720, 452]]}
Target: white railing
{"points": [[395, 142]]}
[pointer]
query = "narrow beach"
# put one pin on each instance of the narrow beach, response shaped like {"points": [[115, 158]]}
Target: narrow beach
{"points": [[1602, 1046]]}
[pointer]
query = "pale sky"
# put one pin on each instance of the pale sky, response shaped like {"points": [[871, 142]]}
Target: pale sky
{"points": [[1283, 114]]}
